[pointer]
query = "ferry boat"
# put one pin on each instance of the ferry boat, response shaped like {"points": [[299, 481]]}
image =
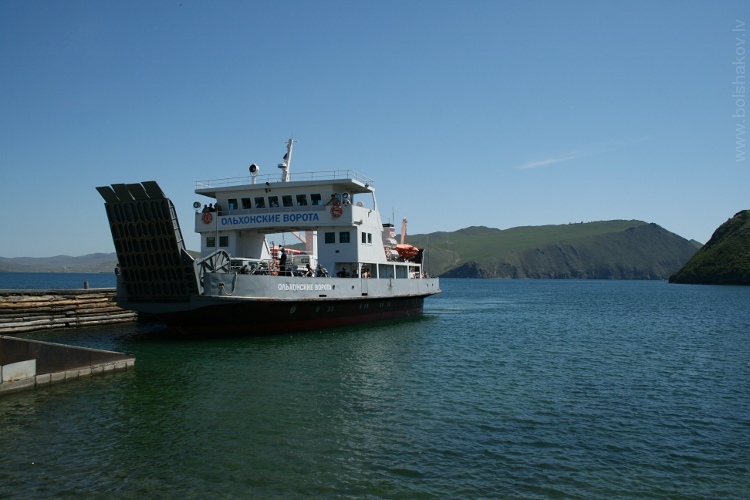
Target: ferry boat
{"points": [[347, 267]]}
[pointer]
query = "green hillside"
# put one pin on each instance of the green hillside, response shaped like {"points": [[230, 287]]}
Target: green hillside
{"points": [[596, 250], [620, 249], [725, 259]]}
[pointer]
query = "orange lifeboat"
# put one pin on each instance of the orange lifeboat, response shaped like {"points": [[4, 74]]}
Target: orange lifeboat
{"points": [[406, 252]]}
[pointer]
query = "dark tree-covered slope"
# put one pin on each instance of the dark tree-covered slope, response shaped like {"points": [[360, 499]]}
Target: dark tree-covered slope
{"points": [[725, 259]]}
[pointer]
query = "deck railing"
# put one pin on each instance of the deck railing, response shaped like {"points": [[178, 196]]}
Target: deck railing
{"points": [[293, 177]]}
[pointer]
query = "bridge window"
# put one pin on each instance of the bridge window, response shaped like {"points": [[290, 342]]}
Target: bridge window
{"points": [[287, 200], [210, 241], [344, 237], [273, 201], [330, 238], [315, 199], [246, 203], [301, 200], [260, 202], [223, 241], [232, 202]]}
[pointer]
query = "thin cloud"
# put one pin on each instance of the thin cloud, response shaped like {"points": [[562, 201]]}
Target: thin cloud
{"points": [[544, 163], [591, 150]]}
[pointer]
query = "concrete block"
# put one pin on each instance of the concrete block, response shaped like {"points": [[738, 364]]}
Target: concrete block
{"points": [[19, 371], [97, 370], [57, 377], [121, 365], [71, 374], [43, 380], [84, 372], [108, 367], [18, 385]]}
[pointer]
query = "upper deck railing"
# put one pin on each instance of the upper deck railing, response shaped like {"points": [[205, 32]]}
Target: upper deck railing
{"points": [[324, 175]]}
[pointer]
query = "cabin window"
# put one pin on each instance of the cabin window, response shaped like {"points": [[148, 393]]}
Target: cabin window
{"points": [[369, 238], [330, 238], [287, 200], [364, 238], [315, 199], [210, 241], [301, 200], [260, 202], [273, 201], [344, 237], [232, 202], [223, 241], [246, 203]]}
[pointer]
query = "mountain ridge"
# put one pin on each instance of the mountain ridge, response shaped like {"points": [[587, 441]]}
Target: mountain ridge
{"points": [[619, 249]]}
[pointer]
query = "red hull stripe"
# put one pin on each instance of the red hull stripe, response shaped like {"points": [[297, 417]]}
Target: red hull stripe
{"points": [[259, 317]]}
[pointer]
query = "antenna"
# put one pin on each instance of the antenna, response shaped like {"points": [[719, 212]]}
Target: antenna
{"points": [[287, 161]]}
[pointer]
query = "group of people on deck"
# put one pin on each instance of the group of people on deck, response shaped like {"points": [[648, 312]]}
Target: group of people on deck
{"points": [[211, 208]]}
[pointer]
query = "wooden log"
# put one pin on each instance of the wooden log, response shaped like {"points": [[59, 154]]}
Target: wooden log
{"points": [[29, 310]]}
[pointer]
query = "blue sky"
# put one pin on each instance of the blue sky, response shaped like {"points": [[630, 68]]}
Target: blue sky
{"points": [[492, 113]]}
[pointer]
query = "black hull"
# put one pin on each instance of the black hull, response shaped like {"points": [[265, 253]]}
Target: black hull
{"points": [[260, 317]]}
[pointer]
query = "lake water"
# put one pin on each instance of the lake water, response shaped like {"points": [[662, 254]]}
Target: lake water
{"points": [[509, 389], [51, 281]]}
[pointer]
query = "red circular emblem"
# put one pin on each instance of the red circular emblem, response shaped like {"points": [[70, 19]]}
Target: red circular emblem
{"points": [[336, 211], [207, 217]]}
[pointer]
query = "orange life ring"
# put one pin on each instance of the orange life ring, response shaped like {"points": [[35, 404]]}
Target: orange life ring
{"points": [[273, 266], [336, 211], [207, 217]]}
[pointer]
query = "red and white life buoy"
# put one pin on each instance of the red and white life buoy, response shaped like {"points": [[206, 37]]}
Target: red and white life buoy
{"points": [[207, 217], [336, 211]]}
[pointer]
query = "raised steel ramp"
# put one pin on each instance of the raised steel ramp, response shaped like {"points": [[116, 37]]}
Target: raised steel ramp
{"points": [[156, 266]]}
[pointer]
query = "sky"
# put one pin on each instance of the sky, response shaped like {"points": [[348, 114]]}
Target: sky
{"points": [[465, 113]]}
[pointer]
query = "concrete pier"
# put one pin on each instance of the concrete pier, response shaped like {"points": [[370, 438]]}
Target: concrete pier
{"points": [[29, 364], [32, 310]]}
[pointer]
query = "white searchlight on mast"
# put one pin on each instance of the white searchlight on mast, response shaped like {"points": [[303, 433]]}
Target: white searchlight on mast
{"points": [[287, 161], [254, 170]]}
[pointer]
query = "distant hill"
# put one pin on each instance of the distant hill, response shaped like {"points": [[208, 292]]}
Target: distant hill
{"points": [[92, 263], [725, 259], [595, 250], [618, 249]]}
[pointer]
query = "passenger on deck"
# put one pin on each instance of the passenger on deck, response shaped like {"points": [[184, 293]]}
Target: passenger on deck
{"points": [[333, 201], [308, 271], [282, 262]]}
